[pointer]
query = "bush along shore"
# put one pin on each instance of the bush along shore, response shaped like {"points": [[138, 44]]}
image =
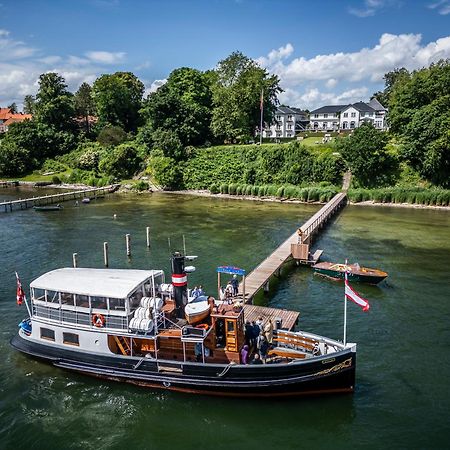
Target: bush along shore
{"points": [[394, 196]]}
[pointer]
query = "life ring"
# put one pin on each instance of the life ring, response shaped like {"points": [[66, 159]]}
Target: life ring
{"points": [[98, 320], [203, 326]]}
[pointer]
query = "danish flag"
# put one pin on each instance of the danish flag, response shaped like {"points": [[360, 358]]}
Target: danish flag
{"points": [[20, 295]]}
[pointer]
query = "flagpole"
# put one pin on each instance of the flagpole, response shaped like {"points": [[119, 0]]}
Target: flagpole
{"points": [[262, 113], [345, 307]]}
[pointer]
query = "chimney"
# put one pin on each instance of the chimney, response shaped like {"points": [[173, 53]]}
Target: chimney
{"points": [[179, 282]]}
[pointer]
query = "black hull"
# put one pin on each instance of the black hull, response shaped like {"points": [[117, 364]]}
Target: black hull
{"points": [[333, 374]]}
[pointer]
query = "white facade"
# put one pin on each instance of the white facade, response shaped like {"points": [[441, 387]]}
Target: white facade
{"points": [[328, 121], [287, 121]]}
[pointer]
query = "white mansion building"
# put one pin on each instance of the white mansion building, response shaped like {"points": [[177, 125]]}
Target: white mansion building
{"points": [[347, 117], [288, 122]]}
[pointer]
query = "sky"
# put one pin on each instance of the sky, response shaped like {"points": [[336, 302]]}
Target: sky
{"points": [[324, 52]]}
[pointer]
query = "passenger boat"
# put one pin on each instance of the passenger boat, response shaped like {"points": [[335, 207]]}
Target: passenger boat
{"points": [[354, 272], [48, 208], [129, 325]]}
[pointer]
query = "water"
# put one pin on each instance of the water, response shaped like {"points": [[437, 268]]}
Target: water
{"points": [[402, 394]]}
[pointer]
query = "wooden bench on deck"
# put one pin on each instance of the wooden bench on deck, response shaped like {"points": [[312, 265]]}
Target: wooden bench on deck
{"points": [[286, 353]]}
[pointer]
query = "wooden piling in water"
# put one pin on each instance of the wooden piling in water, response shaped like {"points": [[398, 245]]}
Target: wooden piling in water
{"points": [[148, 237], [128, 244], [105, 254], [75, 260]]}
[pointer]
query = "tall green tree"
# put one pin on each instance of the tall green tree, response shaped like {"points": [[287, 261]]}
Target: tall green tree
{"points": [[183, 105], [28, 104], [84, 104], [13, 107], [237, 97], [366, 155], [54, 103], [390, 78], [118, 99], [420, 117]]}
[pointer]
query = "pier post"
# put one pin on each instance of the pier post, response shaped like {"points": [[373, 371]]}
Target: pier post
{"points": [[75, 260], [128, 243], [148, 236], [105, 254], [266, 286]]}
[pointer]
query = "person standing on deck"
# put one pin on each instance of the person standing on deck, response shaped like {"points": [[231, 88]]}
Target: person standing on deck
{"points": [[244, 354], [235, 284], [268, 331]]}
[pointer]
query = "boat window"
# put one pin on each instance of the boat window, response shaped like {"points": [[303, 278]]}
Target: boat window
{"points": [[82, 300], [135, 299], [67, 299], [71, 339], [230, 326], [52, 296], [148, 289], [117, 304], [39, 294], [98, 303], [46, 333]]}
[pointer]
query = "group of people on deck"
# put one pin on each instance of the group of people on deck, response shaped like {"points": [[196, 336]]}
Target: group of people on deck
{"points": [[231, 289], [258, 341], [197, 291]]}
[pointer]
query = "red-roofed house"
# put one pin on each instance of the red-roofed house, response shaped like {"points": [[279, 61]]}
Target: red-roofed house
{"points": [[7, 118]]}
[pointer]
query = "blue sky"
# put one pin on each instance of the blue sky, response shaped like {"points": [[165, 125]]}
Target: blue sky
{"points": [[325, 52]]}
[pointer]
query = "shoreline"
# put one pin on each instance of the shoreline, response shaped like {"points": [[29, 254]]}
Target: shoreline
{"points": [[206, 193]]}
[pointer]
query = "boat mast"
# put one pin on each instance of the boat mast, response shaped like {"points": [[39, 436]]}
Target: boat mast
{"points": [[345, 306]]}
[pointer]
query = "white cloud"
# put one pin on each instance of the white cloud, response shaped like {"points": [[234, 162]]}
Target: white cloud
{"points": [[106, 57], [441, 6], [12, 49], [349, 71], [371, 7], [154, 86]]}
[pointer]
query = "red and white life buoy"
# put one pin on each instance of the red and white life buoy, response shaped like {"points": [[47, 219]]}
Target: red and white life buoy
{"points": [[98, 320]]}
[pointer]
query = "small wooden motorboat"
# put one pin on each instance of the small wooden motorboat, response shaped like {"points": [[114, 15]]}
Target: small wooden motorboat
{"points": [[48, 208], [354, 272], [197, 309], [86, 200]]}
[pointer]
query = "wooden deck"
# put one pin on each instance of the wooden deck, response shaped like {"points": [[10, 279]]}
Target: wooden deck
{"points": [[260, 276], [56, 198], [288, 318]]}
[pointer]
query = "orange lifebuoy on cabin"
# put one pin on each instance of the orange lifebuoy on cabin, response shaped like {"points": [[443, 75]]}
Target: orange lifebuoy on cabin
{"points": [[98, 320], [203, 326]]}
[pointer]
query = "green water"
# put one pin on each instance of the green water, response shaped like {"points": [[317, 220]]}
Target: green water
{"points": [[402, 393]]}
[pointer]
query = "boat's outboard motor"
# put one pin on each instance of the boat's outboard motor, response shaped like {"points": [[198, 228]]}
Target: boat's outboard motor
{"points": [[179, 282]]}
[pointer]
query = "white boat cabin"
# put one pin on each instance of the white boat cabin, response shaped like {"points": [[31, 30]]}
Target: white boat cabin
{"points": [[82, 295]]}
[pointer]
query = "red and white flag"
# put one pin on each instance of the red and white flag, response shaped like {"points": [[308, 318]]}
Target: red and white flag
{"points": [[355, 297], [20, 295]]}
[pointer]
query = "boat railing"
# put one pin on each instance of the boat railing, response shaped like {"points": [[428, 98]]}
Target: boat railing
{"points": [[78, 317], [305, 342]]}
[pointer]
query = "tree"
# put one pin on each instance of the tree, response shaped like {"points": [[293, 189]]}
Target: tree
{"points": [[111, 135], [183, 104], [420, 117], [237, 97], [166, 171], [169, 143], [365, 153], [54, 103], [13, 108], [14, 160], [117, 100], [390, 78], [121, 162], [28, 104], [84, 104]]}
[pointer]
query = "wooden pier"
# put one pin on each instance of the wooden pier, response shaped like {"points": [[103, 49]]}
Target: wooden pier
{"points": [[9, 183], [57, 198], [287, 319], [296, 246]]}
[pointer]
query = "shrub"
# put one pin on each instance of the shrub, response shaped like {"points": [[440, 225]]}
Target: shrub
{"points": [[248, 189], [313, 195], [272, 190], [56, 180], [214, 188], [261, 191], [141, 186], [232, 189], [289, 191], [255, 190], [280, 192], [224, 188]]}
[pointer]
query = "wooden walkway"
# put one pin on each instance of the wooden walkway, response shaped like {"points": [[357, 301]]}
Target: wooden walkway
{"points": [[287, 318], [260, 276], [9, 183], [56, 198]]}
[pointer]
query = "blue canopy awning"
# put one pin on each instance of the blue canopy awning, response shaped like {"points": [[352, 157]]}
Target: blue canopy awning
{"points": [[231, 270]]}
